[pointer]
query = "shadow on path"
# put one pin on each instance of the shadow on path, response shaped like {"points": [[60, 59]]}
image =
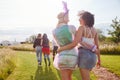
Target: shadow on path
{"points": [[45, 73]]}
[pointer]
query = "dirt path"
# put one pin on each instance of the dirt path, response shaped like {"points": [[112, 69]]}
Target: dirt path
{"points": [[104, 74]]}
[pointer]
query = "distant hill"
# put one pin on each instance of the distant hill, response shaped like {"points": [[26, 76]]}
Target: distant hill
{"points": [[104, 27]]}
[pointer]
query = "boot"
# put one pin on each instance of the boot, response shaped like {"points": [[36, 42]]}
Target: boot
{"points": [[45, 61], [49, 63]]}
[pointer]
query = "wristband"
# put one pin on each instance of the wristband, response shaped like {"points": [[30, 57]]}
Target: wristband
{"points": [[94, 48]]}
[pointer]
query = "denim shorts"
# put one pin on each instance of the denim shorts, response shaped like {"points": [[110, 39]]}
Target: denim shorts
{"points": [[86, 58]]}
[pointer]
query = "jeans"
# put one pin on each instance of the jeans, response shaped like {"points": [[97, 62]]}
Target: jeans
{"points": [[39, 53]]}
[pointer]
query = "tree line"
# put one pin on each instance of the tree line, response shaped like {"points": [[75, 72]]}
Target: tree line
{"points": [[114, 33]]}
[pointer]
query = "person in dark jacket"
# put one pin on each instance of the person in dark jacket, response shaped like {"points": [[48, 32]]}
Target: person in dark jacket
{"points": [[38, 48], [46, 49], [54, 48]]}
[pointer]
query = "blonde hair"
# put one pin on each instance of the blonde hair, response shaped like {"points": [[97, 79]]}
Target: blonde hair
{"points": [[61, 16]]}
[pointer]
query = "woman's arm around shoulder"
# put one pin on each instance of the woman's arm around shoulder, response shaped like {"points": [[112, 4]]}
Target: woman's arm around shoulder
{"points": [[76, 40]]}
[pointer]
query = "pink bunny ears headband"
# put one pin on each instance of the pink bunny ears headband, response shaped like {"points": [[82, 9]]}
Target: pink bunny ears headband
{"points": [[65, 7], [63, 14]]}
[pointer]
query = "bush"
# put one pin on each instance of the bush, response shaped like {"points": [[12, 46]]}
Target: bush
{"points": [[7, 62]]}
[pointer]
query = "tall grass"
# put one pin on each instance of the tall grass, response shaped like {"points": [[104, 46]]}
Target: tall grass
{"points": [[25, 47], [7, 62], [110, 49], [22, 47], [1, 46]]}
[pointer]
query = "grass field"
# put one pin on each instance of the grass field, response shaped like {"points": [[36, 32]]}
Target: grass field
{"points": [[7, 62], [112, 63], [27, 69]]}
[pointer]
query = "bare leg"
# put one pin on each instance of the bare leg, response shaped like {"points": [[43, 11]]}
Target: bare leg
{"points": [[66, 74], [85, 73]]}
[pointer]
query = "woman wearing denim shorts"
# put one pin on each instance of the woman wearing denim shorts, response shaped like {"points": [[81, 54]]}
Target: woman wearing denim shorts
{"points": [[87, 37]]}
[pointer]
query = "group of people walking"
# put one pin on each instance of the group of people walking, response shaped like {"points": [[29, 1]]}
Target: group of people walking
{"points": [[76, 47], [41, 45]]}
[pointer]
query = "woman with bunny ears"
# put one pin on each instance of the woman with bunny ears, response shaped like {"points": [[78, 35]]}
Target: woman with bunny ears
{"points": [[66, 60]]}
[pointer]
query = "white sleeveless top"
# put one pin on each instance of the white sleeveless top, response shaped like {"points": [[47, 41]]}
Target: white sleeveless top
{"points": [[87, 39]]}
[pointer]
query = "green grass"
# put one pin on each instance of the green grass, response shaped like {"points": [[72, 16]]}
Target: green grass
{"points": [[112, 63], [27, 69]]}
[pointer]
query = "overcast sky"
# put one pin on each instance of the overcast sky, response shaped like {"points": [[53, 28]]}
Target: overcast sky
{"points": [[21, 18]]}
